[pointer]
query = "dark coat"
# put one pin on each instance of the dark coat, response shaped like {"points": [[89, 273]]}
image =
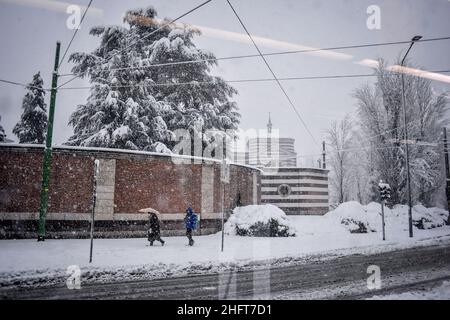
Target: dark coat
{"points": [[154, 224]]}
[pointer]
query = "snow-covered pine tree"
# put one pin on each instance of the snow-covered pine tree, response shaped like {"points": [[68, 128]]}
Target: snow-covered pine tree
{"points": [[33, 122], [135, 106], [2, 132]]}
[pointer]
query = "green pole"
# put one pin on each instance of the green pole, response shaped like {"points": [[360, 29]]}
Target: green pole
{"points": [[48, 150]]}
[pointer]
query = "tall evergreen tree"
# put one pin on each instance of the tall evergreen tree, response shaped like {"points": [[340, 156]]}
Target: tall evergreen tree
{"points": [[132, 105], [33, 122], [2, 132]]}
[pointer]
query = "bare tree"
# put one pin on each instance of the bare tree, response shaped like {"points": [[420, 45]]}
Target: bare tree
{"points": [[339, 141], [360, 173], [380, 113]]}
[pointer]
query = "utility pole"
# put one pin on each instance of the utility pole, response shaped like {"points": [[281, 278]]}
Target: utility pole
{"points": [[447, 173], [48, 149], [222, 200], [94, 200], [224, 179], [408, 176]]}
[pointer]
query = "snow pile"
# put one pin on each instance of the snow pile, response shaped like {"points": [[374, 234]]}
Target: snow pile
{"points": [[259, 221], [358, 218], [428, 218], [354, 216]]}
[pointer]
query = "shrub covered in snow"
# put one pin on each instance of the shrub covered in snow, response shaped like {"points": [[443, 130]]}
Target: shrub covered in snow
{"points": [[355, 226], [259, 221], [428, 218], [354, 217], [358, 218]]}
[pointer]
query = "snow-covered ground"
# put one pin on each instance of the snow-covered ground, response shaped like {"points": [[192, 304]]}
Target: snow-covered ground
{"points": [[441, 292], [318, 236]]}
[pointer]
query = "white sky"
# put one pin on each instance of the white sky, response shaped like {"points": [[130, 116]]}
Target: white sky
{"points": [[29, 30]]}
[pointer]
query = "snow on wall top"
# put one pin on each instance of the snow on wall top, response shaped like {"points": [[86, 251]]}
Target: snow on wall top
{"points": [[283, 169], [123, 151]]}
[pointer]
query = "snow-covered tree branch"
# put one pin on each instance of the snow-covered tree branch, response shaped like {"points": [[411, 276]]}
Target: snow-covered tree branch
{"points": [[2, 132], [381, 121], [33, 122], [339, 139], [136, 105]]}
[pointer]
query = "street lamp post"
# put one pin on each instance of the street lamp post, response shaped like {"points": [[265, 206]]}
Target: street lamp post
{"points": [[408, 177]]}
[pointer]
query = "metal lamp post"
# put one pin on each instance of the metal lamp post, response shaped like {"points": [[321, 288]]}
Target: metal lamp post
{"points": [[408, 177]]}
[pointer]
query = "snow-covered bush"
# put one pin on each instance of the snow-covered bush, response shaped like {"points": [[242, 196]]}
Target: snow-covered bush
{"points": [[357, 218], [259, 221], [355, 226], [354, 217], [428, 218]]}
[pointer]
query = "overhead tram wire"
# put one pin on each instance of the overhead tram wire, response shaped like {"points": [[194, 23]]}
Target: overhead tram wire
{"points": [[267, 54], [146, 36], [273, 74], [22, 84], [369, 139], [192, 83], [227, 81], [74, 34], [355, 149], [367, 148], [356, 46]]}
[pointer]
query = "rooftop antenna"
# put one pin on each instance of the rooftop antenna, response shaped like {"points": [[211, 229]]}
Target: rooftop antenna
{"points": [[269, 125]]}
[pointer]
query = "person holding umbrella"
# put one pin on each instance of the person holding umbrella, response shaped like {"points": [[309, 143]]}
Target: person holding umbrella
{"points": [[154, 230], [154, 233]]}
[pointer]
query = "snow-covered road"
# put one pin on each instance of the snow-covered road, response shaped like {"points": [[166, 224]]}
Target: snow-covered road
{"points": [[25, 261], [439, 290], [342, 277]]}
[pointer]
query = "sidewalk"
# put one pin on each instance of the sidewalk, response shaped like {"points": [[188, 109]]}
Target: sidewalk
{"points": [[28, 260]]}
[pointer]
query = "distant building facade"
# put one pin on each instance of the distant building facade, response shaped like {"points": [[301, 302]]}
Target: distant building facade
{"points": [[272, 152], [267, 150], [296, 190]]}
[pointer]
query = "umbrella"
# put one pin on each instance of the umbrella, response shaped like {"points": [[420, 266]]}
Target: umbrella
{"points": [[149, 210]]}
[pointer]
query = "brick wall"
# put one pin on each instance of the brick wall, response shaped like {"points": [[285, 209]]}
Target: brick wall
{"points": [[20, 181], [156, 183], [128, 181]]}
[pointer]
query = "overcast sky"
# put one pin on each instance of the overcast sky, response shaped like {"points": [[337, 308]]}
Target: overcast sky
{"points": [[29, 30]]}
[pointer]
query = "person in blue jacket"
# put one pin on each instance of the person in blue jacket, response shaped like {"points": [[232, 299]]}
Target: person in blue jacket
{"points": [[190, 221]]}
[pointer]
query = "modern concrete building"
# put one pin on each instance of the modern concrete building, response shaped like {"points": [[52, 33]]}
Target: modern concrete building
{"points": [[267, 150], [272, 152]]}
